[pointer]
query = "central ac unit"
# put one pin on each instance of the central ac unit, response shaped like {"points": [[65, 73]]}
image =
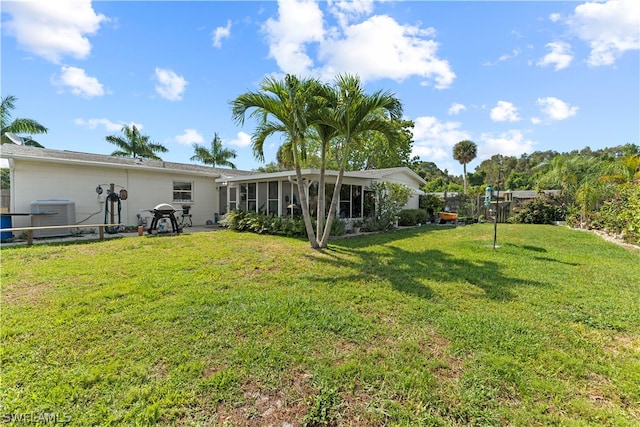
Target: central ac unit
{"points": [[45, 213]]}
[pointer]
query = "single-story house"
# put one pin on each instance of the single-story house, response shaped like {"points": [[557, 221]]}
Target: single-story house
{"points": [[39, 175]]}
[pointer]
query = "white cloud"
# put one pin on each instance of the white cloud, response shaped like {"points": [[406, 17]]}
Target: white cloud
{"points": [[610, 28], [376, 48], [78, 82], [555, 17], [510, 143], [513, 54], [190, 137], [456, 108], [536, 120], [556, 109], [434, 140], [560, 55], [170, 85], [221, 33], [105, 123], [299, 22], [382, 48], [346, 11], [53, 29], [243, 139], [504, 112]]}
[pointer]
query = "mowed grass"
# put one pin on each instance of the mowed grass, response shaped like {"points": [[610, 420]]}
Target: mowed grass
{"points": [[424, 326]]}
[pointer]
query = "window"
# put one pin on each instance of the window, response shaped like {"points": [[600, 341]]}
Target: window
{"points": [[182, 191], [233, 198], [252, 203], [273, 197], [350, 201]]}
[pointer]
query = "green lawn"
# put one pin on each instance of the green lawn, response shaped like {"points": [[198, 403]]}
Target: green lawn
{"points": [[425, 326]]}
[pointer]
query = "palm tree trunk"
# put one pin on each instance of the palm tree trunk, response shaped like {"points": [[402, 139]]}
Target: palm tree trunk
{"points": [[332, 210], [321, 197], [302, 193], [464, 177]]}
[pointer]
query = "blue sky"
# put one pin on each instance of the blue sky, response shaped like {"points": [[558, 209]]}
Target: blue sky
{"points": [[514, 77]]}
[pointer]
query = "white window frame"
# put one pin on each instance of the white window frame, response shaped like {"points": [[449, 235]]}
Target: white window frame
{"points": [[179, 190]]}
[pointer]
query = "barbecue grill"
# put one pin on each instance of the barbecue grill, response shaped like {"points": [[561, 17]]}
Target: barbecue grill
{"points": [[164, 210]]}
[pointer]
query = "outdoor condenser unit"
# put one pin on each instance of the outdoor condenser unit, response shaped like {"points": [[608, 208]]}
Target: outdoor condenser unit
{"points": [[46, 213]]}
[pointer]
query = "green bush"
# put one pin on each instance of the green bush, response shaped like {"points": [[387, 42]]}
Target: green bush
{"points": [[544, 209], [409, 217], [621, 215], [270, 224], [432, 205]]}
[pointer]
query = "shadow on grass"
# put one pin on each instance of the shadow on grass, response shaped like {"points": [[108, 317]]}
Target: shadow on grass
{"points": [[412, 271], [527, 247]]}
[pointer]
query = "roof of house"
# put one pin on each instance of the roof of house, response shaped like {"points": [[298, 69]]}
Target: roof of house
{"points": [[9, 151], [365, 174]]}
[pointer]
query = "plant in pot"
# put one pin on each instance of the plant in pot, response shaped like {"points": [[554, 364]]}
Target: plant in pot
{"points": [[357, 225]]}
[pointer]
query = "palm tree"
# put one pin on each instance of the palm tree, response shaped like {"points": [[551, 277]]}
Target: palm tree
{"points": [[351, 112], [17, 126], [135, 145], [216, 156], [464, 152], [282, 107]]}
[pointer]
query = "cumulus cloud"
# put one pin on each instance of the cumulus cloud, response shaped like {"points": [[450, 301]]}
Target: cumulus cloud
{"points": [[610, 28], [105, 123], [434, 140], [556, 109], [504, 112], [376, 48], [221, 33], [346, 11], [170, 85], [510, 143], [189, 137], [78, 82], [382, 48], [456, 108], [53, 29], [555, 17], [298, 23], [560, 55], [243, 139]]}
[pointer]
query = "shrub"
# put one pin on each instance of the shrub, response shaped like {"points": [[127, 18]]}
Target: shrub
{"points": [[408, 217], [432, 205], [544, 209], [621, 215], [270, 224]]}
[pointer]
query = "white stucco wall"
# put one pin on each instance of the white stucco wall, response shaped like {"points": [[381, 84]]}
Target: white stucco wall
{"points": [[77, 182]]}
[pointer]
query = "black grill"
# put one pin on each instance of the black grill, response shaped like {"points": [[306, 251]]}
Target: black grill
{"points": [[164, 210]]}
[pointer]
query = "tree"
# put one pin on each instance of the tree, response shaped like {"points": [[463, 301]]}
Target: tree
{"points": [[374, 151], [135, 145], [216, 156], [283, 106], [464, 152], [309, 112], [17, 126], [352, 113]]}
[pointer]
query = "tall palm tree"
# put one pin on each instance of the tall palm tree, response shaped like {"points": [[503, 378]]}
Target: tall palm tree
{"points": [[352, 112], [464, 152], [135, 145], [282, 106], [216, 156], [18, 125]]}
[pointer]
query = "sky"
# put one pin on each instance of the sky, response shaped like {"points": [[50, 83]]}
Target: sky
{"points": [[512, 76]]}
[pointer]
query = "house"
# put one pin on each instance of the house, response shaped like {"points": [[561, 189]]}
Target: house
{"points": [[82, 179]]}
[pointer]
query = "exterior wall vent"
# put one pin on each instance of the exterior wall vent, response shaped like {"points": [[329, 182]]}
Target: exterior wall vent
{"points": [[46, 213]]}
